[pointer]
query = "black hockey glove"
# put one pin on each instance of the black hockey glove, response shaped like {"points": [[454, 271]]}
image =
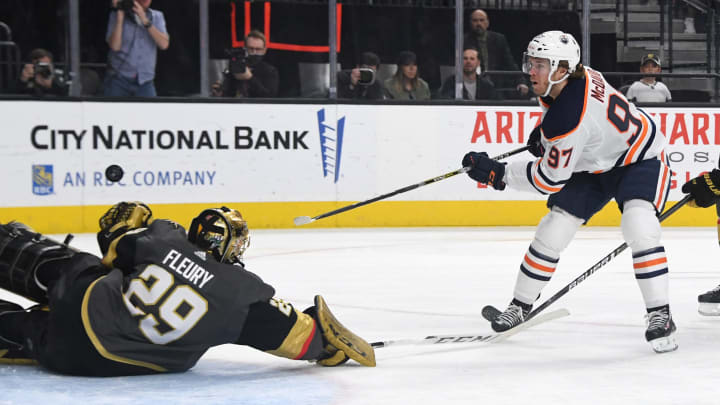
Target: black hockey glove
{"points": [[704, 189], [485, 170], [534, 143]]}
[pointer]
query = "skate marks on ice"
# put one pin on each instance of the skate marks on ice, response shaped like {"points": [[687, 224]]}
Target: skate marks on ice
{"points": [[211, 381]]}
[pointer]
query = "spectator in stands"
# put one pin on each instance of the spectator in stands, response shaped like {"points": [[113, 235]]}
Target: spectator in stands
{"points": [[476, 86], [39, 78], [647, 89], [134, 35], [350, 85], [248, 76], [405, 84], [494, 53]]}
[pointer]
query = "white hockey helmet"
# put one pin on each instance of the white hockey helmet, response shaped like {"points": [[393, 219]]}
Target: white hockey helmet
{"points": [[555, 46]]}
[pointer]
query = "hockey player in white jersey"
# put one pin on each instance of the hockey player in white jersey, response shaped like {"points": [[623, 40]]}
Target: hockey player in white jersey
{"points": [[591, 146]]}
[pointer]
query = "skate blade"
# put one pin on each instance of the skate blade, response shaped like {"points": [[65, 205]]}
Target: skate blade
{"points": [[709, 309], [664, 344]]}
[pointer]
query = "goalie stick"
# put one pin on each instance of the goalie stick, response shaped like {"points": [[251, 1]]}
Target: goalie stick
{"points": [[303, 220], [489, 312], [472, 337]]}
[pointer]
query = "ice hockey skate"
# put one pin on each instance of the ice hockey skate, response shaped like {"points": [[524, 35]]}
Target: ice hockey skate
{"points": [[514, 315], [660, 331], [709, 302]]}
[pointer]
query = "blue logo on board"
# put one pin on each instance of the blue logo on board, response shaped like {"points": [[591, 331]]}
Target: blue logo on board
{"points": [[42, 179], [331, 139]]}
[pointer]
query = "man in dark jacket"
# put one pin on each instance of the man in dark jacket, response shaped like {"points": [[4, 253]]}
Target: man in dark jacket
{"points": [[38, 78], [476, 86], [494, 52], [254, 77]]}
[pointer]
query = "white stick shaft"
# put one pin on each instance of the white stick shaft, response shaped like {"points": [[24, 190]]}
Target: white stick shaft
{"points": [[475, 338]]}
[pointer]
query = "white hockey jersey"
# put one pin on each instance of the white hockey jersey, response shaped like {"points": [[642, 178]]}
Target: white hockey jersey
{"points": [[590, 127]]}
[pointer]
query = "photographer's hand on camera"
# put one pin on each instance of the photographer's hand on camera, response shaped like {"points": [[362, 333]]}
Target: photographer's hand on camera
{"points": [[246, 75], [141, 13], [354, 77], [27, 73]]}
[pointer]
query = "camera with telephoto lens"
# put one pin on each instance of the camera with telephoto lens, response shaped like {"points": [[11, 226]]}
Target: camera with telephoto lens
{"points": [[126, 6], [238, 60], [367, 76], [42, 69]]}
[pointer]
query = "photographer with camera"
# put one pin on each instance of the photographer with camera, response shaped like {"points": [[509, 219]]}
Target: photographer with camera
{"points": [[134, 34], [361, 83], [38, 77], [248, 75]]}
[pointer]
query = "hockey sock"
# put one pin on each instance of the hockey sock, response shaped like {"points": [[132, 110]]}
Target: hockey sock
{"points": [[651, 272], [553, 234]]}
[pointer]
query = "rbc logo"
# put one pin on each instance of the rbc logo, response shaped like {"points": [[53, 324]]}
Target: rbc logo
{"points": [[42, 181], [330, 145]]}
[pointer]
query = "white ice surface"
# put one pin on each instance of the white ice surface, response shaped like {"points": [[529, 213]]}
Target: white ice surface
{"points": [[409, 283]]}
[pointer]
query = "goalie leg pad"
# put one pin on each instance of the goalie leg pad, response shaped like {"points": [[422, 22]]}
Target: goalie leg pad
{"points": [[11, 349], [341, 338], [22, 253]]}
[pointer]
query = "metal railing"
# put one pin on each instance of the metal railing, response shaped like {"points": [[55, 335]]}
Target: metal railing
{"points": [[10, 53]]}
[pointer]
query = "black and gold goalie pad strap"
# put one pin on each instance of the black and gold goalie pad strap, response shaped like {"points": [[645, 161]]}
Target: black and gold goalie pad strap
{"points": [[342, 338], [297, 344], [116, 222]]}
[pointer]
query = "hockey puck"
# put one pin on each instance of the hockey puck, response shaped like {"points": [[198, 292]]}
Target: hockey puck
{"points": [[114, 173]]}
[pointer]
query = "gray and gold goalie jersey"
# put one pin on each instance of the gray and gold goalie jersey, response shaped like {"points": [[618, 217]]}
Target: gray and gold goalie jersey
{"points": [[165, 303]]}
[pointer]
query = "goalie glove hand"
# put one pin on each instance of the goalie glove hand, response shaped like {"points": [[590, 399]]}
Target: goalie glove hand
{"points": [[704, 189], [117, 221], [485, 170]]}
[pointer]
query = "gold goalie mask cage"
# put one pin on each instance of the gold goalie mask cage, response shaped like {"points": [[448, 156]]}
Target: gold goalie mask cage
{"points": [[221, 232]]}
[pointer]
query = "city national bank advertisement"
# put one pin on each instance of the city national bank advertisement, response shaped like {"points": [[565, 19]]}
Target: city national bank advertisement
{"points": [[55, 154]]}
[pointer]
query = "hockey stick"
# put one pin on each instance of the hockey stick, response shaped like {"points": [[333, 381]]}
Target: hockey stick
{"points": [[474, 338], [489, 310], [306, 220]]}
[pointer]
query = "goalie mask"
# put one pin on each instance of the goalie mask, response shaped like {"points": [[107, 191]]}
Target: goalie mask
{"points": [[222, 232], [555, 46]]}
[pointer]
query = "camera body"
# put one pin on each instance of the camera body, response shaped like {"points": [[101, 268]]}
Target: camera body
{"points": [[42, 69], [126, 6], [238, 60], [367, 76]]}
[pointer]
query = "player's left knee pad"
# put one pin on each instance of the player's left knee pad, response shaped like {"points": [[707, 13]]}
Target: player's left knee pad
{"points": [[22, 252], [555, 231], [640, 226]]}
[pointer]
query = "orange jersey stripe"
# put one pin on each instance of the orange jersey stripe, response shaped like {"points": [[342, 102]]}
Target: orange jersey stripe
{"points": [[637, 143], [649, 263], [537, 182], [538, 265], [662, 186]]}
